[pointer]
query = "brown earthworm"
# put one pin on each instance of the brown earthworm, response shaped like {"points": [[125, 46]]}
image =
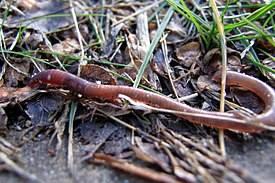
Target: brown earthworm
{"points": [[222, 120]]}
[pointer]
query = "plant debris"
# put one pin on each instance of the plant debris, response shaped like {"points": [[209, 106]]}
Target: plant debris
{"points": [[108, 42]]}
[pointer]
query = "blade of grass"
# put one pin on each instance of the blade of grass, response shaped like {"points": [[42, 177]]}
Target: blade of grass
{"points": [[248, 58], [28, 56], [79, 37], [70, 160], [273, 21], [3, 46], [180, 9], [153, 45], [260, 31], [34, 19], [267, 54], [269, 19], [159, 8], [250, 37], [194, 20], [233, 6], [202, 26], [252, 17], [130, 81], [253, 58], [5, 14], [68, 56], [138, 12], [224, 66]]}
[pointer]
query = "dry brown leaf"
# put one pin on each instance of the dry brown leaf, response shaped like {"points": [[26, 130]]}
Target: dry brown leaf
{"points": [[95, 74], [188, 54], [205, 82], [43, 108], [67, 46], [38, 9], [14, 78]]}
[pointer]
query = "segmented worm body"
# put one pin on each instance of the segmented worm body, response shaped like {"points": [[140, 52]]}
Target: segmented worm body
{"points": [[220, 120]]}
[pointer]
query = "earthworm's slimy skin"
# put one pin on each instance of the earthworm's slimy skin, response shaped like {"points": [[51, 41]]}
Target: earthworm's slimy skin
{"points": [[261, 89], [220, 120]]}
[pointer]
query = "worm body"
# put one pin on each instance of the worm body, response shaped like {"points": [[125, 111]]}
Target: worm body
{"points": [[220, 120]]}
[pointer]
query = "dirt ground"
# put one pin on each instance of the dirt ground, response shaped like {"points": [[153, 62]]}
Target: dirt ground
{"points": [[36, 160], [254, 153]]}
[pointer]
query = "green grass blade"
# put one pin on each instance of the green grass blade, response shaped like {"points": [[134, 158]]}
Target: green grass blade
{"points": [[72, 115], [260, 31], [182, 10], [153, 45], [252, 17]]}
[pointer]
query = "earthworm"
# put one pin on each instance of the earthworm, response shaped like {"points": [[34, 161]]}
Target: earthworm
{"points": [[221, 120]]}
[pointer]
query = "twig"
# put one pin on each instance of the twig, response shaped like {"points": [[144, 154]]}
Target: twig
{"points": [[143, 172], [138, 12]]}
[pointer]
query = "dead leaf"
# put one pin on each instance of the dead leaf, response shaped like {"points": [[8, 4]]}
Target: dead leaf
{"points": [[234, 63], [14, 78], [95, 74], [205, 82], [158, 64], [10, 95], [111, 41], [213, 63], [41, 109], [209, 55], [266, 45], [94, 133], [188, 54], [27, 4], [67, 46], [177, 29], [128, 73], [39, 9], [118, 142], [34, 40]]}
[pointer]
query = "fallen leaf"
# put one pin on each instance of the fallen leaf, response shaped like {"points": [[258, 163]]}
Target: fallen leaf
{"points": [[95, 74], [40, 9], [41, 109], [188, 54], [12, 77]]}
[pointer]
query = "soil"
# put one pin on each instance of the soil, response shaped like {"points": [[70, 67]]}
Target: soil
{"points": [[255, 153]]}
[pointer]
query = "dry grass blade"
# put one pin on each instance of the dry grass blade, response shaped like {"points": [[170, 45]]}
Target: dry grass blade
{"points": [[79, 36], [138, 12], [202, 161], [133, 169], [224, 66]]}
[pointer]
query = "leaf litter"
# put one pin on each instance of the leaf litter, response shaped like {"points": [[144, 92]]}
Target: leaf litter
{"points": [[157, 147]]}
